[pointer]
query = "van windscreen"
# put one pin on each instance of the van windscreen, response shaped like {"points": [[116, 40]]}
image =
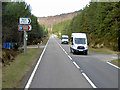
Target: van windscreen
{"points": [[80, 41], [64, 37]]}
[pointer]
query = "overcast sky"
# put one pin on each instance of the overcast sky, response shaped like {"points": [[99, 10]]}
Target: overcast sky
{"points": [[41, 8]]}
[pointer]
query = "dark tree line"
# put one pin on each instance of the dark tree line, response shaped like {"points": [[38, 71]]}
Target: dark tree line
{"points": [[11, 12], [101, 22]]}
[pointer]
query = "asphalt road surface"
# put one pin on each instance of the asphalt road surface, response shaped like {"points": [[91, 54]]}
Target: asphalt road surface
{"points": [[96, 67], [57, 70]]}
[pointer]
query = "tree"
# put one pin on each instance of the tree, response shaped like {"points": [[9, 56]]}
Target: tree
{"points": [[12, 11]]}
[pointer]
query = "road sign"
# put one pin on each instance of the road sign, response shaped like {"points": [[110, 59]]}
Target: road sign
{"points": [[24, 21], [24, 27]]}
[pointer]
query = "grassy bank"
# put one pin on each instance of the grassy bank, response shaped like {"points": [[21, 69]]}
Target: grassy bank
{"points": [[16, 72], [116, 62], [108, 51], [103, 50], [45, 40]]}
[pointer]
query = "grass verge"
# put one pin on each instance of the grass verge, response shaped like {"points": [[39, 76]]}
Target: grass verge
{"points": [[116, 62], [103, 50], [42, 44], [13, 74], [44, 41]]}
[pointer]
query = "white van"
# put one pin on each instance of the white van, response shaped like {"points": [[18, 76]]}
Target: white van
{"points": [[64, 39], [79, 43]]}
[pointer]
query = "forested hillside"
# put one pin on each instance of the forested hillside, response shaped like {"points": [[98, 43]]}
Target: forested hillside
{"points": [[101, 22], [11, 12], [51, 20], [62, 27]]}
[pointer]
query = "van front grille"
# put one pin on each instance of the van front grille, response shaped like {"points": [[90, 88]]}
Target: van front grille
{"points": [[80, 47]]}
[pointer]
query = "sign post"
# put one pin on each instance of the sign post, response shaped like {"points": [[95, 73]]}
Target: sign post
{"points": [[24, 26], [25, 21], [25, 43]]}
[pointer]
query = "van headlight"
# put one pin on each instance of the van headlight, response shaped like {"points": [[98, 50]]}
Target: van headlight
{"points": [[86, 47], [75, 47]]}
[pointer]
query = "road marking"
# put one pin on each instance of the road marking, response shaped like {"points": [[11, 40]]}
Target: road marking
{"points": [[33, 73], [115, 57], [81, 71], [114, 54], [113, 65], [70, 58], [76, 65], [89, 80], [64, 51], [86, 77]]}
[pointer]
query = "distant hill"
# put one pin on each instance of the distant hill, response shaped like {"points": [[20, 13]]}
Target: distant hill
{"points": [[51, 20]]}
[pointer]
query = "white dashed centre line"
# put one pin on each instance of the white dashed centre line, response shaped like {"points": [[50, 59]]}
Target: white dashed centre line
{"points": [[89, 80], [86, 77], [76, 65]]}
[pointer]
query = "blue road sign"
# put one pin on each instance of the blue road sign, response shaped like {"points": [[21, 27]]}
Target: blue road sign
{"points": [[20, 27]]}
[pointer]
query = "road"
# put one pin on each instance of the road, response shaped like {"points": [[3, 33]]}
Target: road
{"points": [[57, 70], [96, 67]]}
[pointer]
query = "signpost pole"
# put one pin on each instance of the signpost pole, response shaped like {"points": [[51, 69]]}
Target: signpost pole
{"points": [[25, 43], [24, 25]]}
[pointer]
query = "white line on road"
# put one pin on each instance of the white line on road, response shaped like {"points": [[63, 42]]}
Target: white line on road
{"points": [[76, 65], [89, 80], [70, 58], [33, 73], [115, 57], [114, 54], [64, 50], [86, 77], [113, 65]]}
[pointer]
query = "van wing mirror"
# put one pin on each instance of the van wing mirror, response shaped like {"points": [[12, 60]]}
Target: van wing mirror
{"points": [[88, 44], [72, 43]]}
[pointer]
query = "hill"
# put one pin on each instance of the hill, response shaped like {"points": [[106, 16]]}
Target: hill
{"points": [[51, 20], [101, 22]]}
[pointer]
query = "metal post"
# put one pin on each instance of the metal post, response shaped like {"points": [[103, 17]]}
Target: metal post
{"points": [[25, 43]]}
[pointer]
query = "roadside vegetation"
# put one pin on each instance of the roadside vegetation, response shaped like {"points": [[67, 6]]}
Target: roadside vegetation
{"points": [[103, 50], [16, 73], [11, 12], [101, 22], [116, 62], [15, 65]]}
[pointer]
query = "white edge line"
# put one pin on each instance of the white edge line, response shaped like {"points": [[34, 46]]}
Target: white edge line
{"points": [[76, 65], [33, 73], [89, 80], [113, 65]]}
